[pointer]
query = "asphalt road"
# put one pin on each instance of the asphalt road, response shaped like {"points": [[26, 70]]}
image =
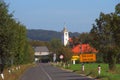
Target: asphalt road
{"points": [[45, 71]]}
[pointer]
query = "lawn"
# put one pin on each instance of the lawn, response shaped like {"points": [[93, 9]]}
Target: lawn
{"points": [[91, 69]]}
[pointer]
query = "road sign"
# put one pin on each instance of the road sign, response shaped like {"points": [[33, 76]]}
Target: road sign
{"points": [[87, 57], [61, 56], [75, 57]]}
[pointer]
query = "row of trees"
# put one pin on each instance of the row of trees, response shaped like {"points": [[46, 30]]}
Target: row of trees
{"points": [[14, 46]]}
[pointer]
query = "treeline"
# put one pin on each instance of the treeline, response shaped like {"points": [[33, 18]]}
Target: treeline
{"points": [[46, 35], [14, 46]]}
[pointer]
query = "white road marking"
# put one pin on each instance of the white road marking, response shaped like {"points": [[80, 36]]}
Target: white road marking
{"points": [[46, 73]]}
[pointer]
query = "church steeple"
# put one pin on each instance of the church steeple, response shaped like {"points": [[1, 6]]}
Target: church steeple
{"points": [[65, 36], [65, 29]]}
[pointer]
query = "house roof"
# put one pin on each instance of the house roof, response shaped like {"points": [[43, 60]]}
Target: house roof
{"points": [[83, 48], [41, 49], [70, 40]]}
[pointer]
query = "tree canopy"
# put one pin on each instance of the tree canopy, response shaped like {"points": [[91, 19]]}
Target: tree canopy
{"points": [[106, 35], [14, 46]]}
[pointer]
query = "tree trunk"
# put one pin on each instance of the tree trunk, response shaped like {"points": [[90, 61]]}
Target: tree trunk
{"points": [[112, 58]]}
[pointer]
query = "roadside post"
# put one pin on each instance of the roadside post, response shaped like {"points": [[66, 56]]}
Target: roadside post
{"points": [[9, 71], [1, 69], [83, 68], [54, 57], [99, 69]]}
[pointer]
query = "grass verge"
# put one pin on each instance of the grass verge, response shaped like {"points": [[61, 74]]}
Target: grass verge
{"points": [[91, 70], [16, 73]]}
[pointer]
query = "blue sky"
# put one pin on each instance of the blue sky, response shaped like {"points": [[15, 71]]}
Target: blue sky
{"points": [[78, 15]]}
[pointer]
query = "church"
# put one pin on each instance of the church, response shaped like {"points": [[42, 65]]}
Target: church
{"points": [[65, 36]]}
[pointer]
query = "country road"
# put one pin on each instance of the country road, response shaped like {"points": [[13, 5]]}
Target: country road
{"points": [[45, 71]]}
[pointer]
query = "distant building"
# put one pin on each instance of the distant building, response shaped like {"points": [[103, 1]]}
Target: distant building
{"points": [[41, 53], [83, 48], [65, 36]]}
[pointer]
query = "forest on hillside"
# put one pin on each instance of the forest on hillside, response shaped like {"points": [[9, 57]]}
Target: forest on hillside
{"points": [[46, 35]]}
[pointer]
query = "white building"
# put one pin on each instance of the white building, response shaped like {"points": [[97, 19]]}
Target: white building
{"points": [[65, 36], [41, 52]]}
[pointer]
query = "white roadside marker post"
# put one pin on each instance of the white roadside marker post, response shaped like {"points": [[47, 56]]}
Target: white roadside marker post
{"points": [[2, 76], [83, 68], [99, 69]]}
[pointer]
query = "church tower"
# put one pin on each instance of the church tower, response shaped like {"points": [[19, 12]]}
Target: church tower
{"points": [[65, 36]]}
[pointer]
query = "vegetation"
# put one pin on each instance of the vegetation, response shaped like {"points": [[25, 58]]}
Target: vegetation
{"points": [[46, 35], [91, 69], [16, 74], [14, 46], [35, 43], [57, 48], [106, 36]]}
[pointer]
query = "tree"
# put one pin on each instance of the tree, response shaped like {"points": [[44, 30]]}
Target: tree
{"points": [[105, 36], [13, 41], [67, 53], [84, 38], [57, 47]]}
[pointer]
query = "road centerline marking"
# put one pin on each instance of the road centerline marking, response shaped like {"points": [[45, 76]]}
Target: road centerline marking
{"points": [[46, 73]]}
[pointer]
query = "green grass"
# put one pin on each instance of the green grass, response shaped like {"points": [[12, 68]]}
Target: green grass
{"points": [[91, 70]]}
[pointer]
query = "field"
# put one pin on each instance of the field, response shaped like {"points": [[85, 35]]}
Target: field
{"points": [[91, 69]]}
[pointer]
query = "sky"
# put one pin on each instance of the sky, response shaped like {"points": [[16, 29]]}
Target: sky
{"points": [[76, 15]]}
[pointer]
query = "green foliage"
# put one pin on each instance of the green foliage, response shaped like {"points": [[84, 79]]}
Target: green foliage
{"points": [[14, 46], [117, 8], [67, 53], [38, 43], [84, 38], [100, 58], [57, 47], [105, 36]]}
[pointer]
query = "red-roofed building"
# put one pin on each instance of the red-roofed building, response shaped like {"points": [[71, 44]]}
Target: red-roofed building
{"points": [[83, 48]]}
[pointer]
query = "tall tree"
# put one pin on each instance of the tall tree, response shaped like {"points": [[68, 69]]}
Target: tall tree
{"points": [[105, 35], [84, 38], [13, 40]]}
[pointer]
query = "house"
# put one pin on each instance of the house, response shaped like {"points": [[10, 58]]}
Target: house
{"points": [[41, 53], [83, 48]]}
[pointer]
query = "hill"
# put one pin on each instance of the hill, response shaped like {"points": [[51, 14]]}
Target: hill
{"points": [[46, 35]]}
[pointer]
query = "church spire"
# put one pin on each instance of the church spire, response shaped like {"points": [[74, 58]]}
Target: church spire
{"points": [[65, 36], [64, 29]]}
